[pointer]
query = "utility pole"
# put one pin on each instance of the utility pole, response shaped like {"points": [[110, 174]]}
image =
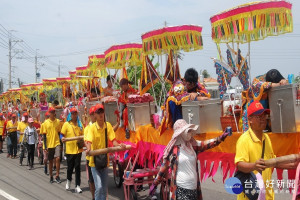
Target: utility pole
{"points": [[35, 65], [19, 82], [9, 63], [37, 74], [1, 86], [59, 68], [11, 44]]}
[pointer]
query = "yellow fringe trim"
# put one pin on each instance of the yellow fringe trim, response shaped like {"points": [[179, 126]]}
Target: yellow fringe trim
{"points": [[128, 57], [163, 43], [269, 22]]}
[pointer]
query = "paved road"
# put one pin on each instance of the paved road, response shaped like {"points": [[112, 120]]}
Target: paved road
{"points": [[21, 183]]}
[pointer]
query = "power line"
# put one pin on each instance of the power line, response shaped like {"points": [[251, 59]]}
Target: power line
{"points": [[5, 47], [86, 51]]}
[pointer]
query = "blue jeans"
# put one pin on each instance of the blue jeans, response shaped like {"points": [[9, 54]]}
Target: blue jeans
{"points": [[8, 143], [100, 179], [14, 143]]}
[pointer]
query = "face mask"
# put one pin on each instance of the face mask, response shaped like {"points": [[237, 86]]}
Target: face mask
{"points": [[187, 135]]}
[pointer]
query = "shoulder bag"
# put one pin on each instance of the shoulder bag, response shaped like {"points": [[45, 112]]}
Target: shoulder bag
{"points": [[252, 190], [101, 160]]}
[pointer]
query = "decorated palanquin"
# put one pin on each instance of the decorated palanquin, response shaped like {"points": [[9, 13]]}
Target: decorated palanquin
{"points": [[171, 40]]}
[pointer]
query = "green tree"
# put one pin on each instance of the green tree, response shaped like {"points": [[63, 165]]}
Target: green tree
{"points": [[131, 71], [205, 74], [297, 79]]}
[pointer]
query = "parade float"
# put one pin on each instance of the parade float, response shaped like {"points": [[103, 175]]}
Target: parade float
{"points": [[232, 28], [242, 25]]}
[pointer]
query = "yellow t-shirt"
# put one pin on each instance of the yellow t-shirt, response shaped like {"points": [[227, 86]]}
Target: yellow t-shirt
{"points": [[10, 124], [51, 129], [69, 129], [96, 136], [249, 149], [1, 126], [86, 129], [41, 133], [21, 128]]}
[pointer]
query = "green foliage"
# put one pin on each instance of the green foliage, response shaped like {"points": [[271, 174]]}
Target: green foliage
{"points": [[297, 79], [134, 74], [131, 71], [205, 74]]}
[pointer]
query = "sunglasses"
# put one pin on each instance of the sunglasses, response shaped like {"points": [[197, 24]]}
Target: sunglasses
{"points": [[261, 117]]}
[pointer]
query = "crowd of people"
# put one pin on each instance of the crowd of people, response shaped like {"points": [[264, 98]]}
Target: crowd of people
{"points": [[70, 135]]}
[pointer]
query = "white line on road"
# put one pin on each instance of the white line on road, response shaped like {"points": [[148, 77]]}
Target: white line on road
{"points": [[7, 196]]}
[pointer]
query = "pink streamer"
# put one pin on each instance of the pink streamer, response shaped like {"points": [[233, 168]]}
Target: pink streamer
{"points": [[207, 170], [250, 24], [234, 28]]}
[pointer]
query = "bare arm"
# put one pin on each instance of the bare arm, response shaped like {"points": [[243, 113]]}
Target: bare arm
{"points": [[45, 141], [287, 166], [249, 167], [24, 136], [88, 147], [116, 143]]}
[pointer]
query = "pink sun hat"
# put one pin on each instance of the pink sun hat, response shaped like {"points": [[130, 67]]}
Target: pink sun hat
{"points": [[181, 125]]}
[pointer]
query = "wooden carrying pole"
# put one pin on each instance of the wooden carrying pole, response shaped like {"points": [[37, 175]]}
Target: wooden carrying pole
{"points": [[107, 150], [73, 138], [273, 162]]}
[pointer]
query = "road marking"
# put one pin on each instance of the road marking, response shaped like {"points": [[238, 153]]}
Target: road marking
{"points": [[7, 196]]}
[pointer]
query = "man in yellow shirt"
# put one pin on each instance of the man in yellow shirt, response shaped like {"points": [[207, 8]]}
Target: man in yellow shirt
{"points": [[51, 130], [73, 128], [249, 148], [96, 140], [22, 126], [2, 121], [45, 152], [11, 127], [90, 175]]}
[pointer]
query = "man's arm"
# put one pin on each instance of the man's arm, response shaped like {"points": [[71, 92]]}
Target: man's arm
{"points": [[122, 145], [287, 166], [45, 142], [245, 167], [88, 147]]}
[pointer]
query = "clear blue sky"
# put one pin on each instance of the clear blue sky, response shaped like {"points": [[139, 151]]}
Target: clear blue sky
{"points": [[71, 30]]}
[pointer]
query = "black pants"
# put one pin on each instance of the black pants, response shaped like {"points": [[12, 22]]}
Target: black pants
{"points": [[73, 161], [30, 156], [14, 143]]}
